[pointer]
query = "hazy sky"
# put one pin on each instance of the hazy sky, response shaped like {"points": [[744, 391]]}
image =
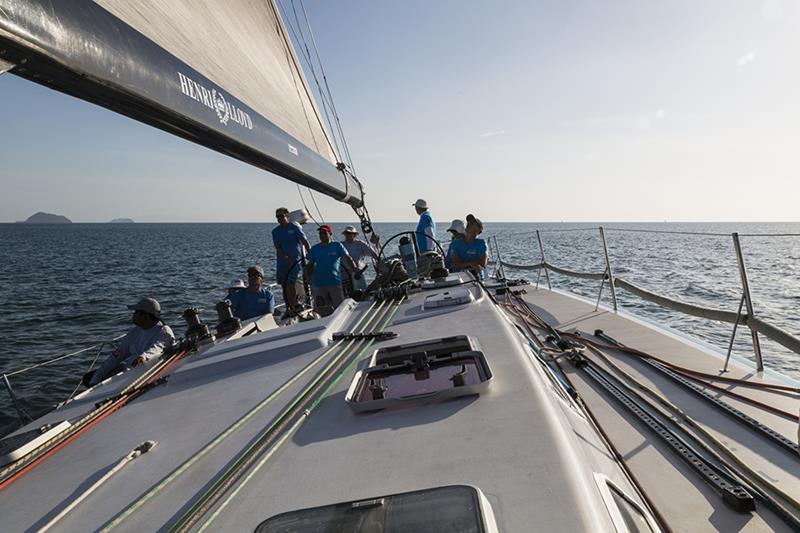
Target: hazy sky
{"points": [[516, 111]]}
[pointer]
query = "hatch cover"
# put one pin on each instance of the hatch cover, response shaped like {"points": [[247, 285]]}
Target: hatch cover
{"points": [[452, 297]]}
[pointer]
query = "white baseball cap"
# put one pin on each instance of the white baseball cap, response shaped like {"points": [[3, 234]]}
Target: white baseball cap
{"points": [[422, 204], [350, 229]]}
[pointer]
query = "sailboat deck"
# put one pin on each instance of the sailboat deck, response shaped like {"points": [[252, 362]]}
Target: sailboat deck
{"points": [[532, 454], [687, 502]]}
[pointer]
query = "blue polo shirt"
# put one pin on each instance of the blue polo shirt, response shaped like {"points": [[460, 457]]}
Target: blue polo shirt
{"points": [[425, 228], [246, 304], [327, 259], [290, 239], [468, 251]]}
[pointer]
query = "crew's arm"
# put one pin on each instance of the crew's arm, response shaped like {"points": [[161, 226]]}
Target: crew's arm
{"points": [[478, 264], [270, 302], [429, 234], [281, 254], [351, 265], [160, 343], [120, 353]]}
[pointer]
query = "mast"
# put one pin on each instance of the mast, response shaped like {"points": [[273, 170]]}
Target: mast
{"points": [[83, 49]]}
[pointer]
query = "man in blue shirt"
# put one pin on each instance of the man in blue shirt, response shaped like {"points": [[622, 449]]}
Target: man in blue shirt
{"points": [[457, 231], [469, 253], [426, 228], [289, 241], [254, 301], [324, 261]]}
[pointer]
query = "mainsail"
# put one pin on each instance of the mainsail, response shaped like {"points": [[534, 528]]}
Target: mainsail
{"points": [[223, 75]]}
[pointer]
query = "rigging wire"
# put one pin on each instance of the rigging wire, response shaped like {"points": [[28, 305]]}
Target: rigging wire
{"points": [[293, 60], [299, 38], [314, 199], [670, 232], [305, 206], [327, 87]]}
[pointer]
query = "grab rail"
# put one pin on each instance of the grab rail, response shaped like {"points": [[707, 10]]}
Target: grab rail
{"points": [[750, 319]]}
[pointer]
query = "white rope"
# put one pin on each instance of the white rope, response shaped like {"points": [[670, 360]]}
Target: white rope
{"points": [[133, 454]]}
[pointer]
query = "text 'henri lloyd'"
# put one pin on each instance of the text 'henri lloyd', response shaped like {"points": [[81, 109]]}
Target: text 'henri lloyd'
{"points": [[216, 101]]}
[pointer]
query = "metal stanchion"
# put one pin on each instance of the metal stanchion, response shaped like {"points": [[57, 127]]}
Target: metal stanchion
{"points": [[608, 270], [733, 335], [747, 300], [544, 263], [22, 413]]}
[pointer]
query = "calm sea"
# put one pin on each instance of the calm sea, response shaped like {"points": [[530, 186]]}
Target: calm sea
{"points": [[65, 287]]}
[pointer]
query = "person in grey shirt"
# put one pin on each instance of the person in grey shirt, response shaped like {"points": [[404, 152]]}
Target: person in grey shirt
{"points": [[360, 252], [146, 340]]}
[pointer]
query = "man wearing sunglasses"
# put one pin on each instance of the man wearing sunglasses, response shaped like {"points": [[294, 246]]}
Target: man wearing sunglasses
{"points": [[255, 300], [289, 241]]}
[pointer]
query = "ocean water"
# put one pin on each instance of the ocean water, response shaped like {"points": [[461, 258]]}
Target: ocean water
{"points": [[65, 287]]}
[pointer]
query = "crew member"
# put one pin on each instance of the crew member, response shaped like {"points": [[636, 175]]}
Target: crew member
{"points": [[457, 231], [426, 227], [289, 241], [146, 340], [359, 251], [324, 262], [254, 301], [469, 253], [233, 287]]}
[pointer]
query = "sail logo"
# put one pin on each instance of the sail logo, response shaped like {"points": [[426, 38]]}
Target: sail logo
{"points": [[215, 100]]}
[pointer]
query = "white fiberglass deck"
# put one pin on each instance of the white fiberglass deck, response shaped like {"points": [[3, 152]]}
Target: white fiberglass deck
{"points": [[686, 501], [532, 453]]}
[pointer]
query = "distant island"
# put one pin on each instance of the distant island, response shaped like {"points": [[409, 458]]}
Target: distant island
{"points": [[46, 218], [121, 221]]}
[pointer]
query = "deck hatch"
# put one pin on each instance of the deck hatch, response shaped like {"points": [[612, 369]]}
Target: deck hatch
{"points": [[456, 509], [457, 296], [420, 372]]}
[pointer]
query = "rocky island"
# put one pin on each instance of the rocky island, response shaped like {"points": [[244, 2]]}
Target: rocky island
{"points": [[46, 218], [121, 221]]}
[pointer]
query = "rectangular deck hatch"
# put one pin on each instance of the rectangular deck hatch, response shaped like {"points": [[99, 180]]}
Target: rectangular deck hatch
{"points": [[414, 373], [455, 509], [456, 296]]}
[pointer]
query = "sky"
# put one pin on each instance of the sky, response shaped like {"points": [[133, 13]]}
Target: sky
{"points": [[515, 111]]}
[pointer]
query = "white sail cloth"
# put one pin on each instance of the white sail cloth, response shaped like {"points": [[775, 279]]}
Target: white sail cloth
{"points": [[241, 45]]}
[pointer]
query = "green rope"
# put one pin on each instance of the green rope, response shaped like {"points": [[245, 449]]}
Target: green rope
{"points": [[180, 525], [305, 415], [225, 434]]}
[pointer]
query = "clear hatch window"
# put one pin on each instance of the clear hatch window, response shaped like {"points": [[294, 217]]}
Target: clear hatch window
{"points": [[452, 509]]}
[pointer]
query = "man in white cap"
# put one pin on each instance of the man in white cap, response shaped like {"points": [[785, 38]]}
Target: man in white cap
{"points": [[457, 232], [359, 251], [146, 340], [233, 287], [426, 228]]}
